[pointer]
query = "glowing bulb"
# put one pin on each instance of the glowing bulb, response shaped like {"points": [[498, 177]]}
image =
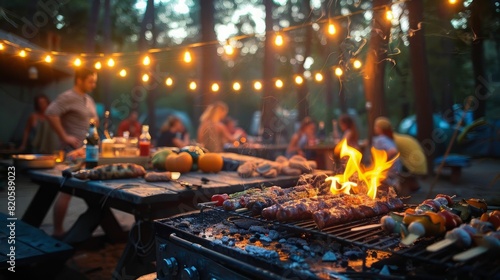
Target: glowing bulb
{"points": [[169, 82], [452, 1], [338, 71], [111, 62], [236, 86], [48, 59], [318, 77], [123, 73], [279, 83], [228, 49], [389, 15], [22, 53], [98, 65], [299, 80], [331, 29], [257, 85], [215, 87], [192, 85], [77, 62], [146, 60], [357, 64], [1, 47], [187, 57], [278, 40], [145, 78]]}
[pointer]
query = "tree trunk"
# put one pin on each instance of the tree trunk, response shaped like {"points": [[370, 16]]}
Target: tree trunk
{"points": [[92, 26], [421, 88], [447, 85], [480, 92], [208, 52], [375, 66], [302, 89], [269, 120], [108, 48]]}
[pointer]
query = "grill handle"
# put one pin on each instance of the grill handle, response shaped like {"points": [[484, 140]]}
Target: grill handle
{"points": [[233, 263]]}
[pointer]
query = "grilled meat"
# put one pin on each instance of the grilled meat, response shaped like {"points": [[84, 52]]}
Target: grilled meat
{"points": [[354, 211], [111, 171]]}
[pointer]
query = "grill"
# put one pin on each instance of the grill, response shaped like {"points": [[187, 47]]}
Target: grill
{"points": [[216, 244]]}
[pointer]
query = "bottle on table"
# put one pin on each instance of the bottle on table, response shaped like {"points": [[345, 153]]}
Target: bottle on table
{"points": [[144, 141], [92, 147]]}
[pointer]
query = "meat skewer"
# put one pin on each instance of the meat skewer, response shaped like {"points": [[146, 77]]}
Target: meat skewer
{"points": [[486, 242], [463, 235]]}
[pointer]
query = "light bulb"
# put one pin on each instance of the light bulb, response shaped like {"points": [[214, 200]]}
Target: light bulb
{"points": [[111, 62], [299, 80], [77, 62], [22, 53], [338, 71], [192, 85], [169, 82], [123, 73], [318, 77], [331, 29], [48, 59], [145, 78], [98, 65], [215, 87], [146, 61], [257, 85], [279, 83], [236, 86], [187, 57], [357, 64], [278, 40]]}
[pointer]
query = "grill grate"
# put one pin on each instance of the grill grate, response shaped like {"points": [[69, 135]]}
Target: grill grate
{"points": [[378, 239]]}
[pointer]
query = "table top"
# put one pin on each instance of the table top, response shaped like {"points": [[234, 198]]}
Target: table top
{"points": [[197, 185]]}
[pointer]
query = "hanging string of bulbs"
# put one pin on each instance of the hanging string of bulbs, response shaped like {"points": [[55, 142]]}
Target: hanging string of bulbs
{"points": [[97, 60]]}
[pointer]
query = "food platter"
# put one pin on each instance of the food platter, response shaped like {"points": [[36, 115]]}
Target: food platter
{"points": [[34, 161]]}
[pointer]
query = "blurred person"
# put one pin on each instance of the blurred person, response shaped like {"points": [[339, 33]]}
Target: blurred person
{"points": [[384, 140], [130, 124], [232, 126], [305, 136], [212, 133], [414, 162], [38, 134], [70, 115], [173, 134]]}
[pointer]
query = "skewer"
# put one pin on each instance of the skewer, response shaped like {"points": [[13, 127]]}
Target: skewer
{"points": [[486, 242]]}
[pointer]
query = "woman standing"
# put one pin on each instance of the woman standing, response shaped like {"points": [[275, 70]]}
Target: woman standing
{"points": [[212, 133], [38, 135]]}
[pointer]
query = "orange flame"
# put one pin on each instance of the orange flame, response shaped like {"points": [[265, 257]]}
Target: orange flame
{"points": [[371, 176]]}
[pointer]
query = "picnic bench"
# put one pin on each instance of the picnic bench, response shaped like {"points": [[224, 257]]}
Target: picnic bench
{"points": [[31, 246], [455, 163]]}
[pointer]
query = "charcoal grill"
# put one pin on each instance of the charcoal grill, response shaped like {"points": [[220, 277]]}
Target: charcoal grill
{"points": [[185, 250]]}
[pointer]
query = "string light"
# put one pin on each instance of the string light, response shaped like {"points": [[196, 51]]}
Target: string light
{"points": [[338, 71], [228, 49], [169, 82], [278, 83], [318, 77], [215, 87], [299, 80], [331, 29], [452, 2], [192, 85], [236, 86], [77, 62], [146, 60], [257, 85], [2, 47], [389, 15], [22, 53], [123, 73], [145, 78], [48, 59], [278, 41], [111, 62], [187, 57], [357, 64], [98, 65]]}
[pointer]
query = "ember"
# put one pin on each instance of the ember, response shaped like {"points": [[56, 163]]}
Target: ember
{"points": [[370, 176]]}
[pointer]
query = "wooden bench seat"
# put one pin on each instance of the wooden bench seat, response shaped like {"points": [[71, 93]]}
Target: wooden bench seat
{"points": [[32, 245], [455, 163]]}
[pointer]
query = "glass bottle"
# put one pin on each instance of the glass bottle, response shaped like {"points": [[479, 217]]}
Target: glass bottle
{"points": [[92, 146], [144, 141]]}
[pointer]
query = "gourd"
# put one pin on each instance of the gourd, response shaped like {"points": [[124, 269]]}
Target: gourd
{"points": [[181, 162], [158, 160], [210, 162]]}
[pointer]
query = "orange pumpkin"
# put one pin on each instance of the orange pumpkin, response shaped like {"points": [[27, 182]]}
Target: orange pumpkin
{"points": [[181, 162], [210, 162]]}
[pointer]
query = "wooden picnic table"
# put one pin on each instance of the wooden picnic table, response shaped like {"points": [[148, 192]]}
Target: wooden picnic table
{"points": [[144, 200]]}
